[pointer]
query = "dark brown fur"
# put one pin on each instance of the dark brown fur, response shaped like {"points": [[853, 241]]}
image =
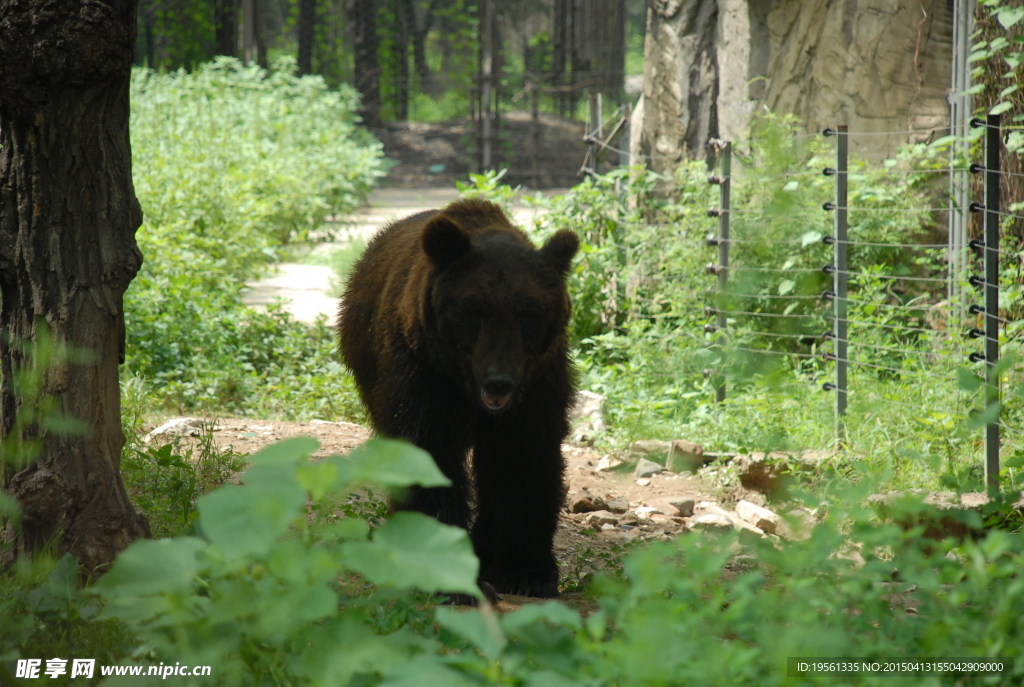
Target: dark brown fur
{"points": [[454, 326]]}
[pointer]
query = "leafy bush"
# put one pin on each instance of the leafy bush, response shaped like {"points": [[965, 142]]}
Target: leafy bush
{"points": [[230, 163]]}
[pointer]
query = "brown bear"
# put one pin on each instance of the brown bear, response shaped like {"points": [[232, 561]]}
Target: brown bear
{"points": [[454, 326]]}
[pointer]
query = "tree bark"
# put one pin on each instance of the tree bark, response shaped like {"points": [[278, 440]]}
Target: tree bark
{"points": [[366, 63], [68, 216], [307, 18], [680, 82]]}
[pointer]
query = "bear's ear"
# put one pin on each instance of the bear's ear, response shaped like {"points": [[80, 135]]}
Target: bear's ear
{"points": [[445, 241], [560, 249]]}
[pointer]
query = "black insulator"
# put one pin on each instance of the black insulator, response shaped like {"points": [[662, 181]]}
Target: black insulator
{"points": [[975, 168], [977, 122], [714, 212], [976, 281], [587, 138], [975, 333], [828, 269], [828, 294], [707, 372], [828, 206], [828, 386], [977, 245], [712, 240], [712, 268], [710, 328], [976, 207], [976, 309], [829, 132], [976, 358], [709, 311], [828, 336], [715, 178], [828, 171], [826, 356], [828, 240]]}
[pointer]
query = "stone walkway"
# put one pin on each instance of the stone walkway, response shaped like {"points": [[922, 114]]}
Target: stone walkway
{"points": [[304, 288]]}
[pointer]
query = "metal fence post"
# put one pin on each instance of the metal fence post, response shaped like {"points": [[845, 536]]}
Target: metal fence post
{"points": [[992, 143], [839, 282], [725, 170]]}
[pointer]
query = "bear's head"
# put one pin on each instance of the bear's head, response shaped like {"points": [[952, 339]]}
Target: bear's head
{"points": [[498, 306]]}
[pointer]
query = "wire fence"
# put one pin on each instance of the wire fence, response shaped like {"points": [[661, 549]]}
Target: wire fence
{"points": [[875, 330]]}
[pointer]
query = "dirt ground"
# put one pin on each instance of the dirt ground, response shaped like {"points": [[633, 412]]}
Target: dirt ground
{"points": [[581, 549], [544, 155]]}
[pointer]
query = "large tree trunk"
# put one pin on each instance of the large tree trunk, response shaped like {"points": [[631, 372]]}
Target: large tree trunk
{"points": [[680, 82], [367, 66], [68, 216]]}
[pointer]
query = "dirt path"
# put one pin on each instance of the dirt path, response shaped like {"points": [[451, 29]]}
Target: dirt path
{"points": [[305, 288], [582, 549]]}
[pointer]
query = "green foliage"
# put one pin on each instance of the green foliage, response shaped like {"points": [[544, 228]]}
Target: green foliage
{"points": [[230, 163]]}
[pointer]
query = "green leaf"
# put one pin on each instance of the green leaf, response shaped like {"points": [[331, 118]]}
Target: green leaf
{"points": [[426, 671], [968, 380], [973, 90], [154, 566], [1009, 16], [985, 417], [791, 185], [287, 451], [413, 551], [1008, 90], [59, 423], [479, 627], [391, 463], [810, 237], [1000, 108], [550, 611], [247, 520], [9, 508], [317, 478], [785, 286]]}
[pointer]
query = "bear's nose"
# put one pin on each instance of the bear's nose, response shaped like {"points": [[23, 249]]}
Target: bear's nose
{"points": [[499, 385]]}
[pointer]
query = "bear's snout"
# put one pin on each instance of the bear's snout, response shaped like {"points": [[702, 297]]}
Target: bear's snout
{"points": [[496, 391]]}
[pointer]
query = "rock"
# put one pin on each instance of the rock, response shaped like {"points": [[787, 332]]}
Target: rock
{"points": [[663, 506], [645, 482], [649, 447], [646, 468], [587, 416], [711, 522], [585, 502], [738, 523], [179, 426], [629, 518], [608, 526], [617, 505], [797, 525], [684, 455], [645, 511], [321, 422], [759, 517], [761, 473], [602, 517], [684, 504], [607, 463]]}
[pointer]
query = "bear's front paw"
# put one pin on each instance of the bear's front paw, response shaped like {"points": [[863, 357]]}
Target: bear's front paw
{"points": [[540, 582]]}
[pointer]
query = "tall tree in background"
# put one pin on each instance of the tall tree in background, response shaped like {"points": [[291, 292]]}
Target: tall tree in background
{"points": [[307, 20], [226, 31], [366, 63], [68, 216]]}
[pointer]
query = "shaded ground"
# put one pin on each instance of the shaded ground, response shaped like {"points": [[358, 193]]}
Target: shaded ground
{"points": [[548, 155]]}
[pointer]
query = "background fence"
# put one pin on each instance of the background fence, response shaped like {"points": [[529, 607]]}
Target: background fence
{"points": [[919, 322]]}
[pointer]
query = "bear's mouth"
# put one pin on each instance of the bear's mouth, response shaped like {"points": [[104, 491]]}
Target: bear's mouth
{"points": [[494, 401]]}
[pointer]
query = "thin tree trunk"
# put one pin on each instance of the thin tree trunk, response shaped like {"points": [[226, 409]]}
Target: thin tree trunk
{"points": [[402, 12], [366, 63], [260, 27], [226, 32], [560, 43], [307, 18], [68, 216]]}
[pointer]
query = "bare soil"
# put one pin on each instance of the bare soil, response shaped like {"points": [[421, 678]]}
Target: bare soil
{"points": [[545, 154], [581, 550]]}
